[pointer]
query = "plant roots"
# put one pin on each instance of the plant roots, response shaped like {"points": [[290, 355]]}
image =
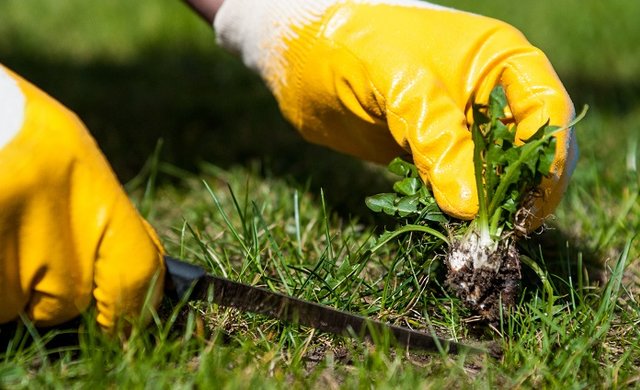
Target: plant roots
{"points": [[486, 278]]}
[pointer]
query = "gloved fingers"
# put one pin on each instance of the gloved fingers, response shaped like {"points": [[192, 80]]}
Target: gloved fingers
{"points": [[536, 96], [421, 112], [50, 310], [58, 290], [129, 270]]}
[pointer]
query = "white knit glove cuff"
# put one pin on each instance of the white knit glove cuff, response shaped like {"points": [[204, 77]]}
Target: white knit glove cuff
{"points": [[257, 29], [12, 107]]}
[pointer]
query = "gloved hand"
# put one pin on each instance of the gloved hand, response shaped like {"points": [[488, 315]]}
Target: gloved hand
{"points": [[68, 232], [382, 78]]}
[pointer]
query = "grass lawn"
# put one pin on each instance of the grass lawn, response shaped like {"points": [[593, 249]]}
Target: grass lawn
{"points": [[234, 189]]}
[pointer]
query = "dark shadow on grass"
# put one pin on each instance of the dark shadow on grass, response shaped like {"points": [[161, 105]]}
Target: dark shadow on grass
{"points": [[18, 337], [560, 255], [205, 107]]}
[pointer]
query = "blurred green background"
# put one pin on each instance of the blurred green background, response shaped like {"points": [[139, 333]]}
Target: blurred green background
{"points": [[136, 71]]}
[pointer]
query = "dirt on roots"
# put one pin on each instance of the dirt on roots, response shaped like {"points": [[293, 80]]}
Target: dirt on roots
{"points": [[485, 287]]}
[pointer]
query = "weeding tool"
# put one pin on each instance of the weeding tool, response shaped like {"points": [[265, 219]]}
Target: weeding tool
{"points": [[191, 282]]}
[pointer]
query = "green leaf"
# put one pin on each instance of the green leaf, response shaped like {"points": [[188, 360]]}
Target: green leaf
{"points": [[344, 269], [497, 103], [546, 158], [541, 132], [479, 118], [530, 154], [401, 167], [382, 203], [408, 205], [408, 186], [504, 133], [432, 213], [511, 204], [426, 198]]}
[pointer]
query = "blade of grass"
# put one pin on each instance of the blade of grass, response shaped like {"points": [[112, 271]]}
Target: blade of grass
{"points": [[279, 265]]}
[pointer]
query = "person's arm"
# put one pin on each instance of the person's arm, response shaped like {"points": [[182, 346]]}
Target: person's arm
{"points": [[207, 9]]}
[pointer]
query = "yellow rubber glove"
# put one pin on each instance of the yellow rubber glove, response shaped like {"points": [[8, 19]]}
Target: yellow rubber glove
{"points": [[68, 232], [378, 79]]}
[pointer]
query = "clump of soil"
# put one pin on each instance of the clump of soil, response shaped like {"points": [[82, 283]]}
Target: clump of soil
{"points": [[484, 275]]}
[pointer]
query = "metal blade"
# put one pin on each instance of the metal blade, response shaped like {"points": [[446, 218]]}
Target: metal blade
{"points": [[253, 299]]}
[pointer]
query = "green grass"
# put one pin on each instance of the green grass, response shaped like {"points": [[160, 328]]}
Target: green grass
{"points": [[235, 190]]}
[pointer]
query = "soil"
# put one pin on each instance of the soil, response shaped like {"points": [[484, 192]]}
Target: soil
{"points": [[484, 288]]}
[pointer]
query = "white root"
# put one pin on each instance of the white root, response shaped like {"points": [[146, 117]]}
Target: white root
{"points": [[473, 252]]}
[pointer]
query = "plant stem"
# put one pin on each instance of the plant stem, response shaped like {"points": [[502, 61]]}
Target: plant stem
{"points": [[483, 217]]}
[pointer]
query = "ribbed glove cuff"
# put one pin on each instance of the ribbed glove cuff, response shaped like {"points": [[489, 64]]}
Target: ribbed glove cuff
{"points": [[260, 30], [12, 106]]}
